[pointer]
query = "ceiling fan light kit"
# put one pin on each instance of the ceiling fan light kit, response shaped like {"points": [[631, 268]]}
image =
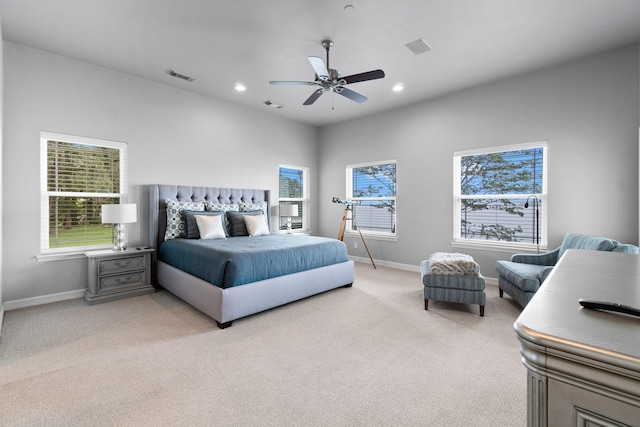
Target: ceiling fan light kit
{"points": [[330, 80]]}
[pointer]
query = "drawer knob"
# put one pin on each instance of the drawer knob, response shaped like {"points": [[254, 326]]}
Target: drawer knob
{"points": [[123, 263], [125, 280]]}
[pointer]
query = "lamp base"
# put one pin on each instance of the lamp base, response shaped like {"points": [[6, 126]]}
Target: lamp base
{"points": [[119, 238], [289, 231]]}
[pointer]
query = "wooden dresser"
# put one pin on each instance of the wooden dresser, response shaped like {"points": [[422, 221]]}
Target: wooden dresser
{"points": [[583, 366]]}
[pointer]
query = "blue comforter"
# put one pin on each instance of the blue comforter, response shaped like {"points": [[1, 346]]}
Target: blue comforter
{"points": [[240, 260]]}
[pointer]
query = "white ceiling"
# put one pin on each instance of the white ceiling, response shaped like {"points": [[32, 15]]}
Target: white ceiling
{"points": [[220, 43]]}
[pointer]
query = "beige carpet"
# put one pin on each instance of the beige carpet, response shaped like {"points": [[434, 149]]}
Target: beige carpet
{"points": [[362, 356]]}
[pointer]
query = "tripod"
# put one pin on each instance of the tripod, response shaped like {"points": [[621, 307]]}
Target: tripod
{"points": [[343, 225]]}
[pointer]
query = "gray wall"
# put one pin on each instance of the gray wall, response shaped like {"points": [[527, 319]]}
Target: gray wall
{"points": [[174, 137], [588, 112], [1, 168]]}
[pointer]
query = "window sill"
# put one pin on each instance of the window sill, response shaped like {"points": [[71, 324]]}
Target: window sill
{"points": [[59, 257], [369, 236], [63, 256], [499, 246]]}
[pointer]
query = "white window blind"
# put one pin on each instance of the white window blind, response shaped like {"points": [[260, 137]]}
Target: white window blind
{"points": [[78, 176], [373, 187], [500, 195], [293, 190]]}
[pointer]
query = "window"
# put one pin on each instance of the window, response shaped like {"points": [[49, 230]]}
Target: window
{"points": [[78, 176], [372, 188], [294, 190], [500, 196]]}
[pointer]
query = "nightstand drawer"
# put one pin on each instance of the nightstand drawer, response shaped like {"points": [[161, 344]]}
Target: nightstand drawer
{"points": [[118, 265], [121, 281]]}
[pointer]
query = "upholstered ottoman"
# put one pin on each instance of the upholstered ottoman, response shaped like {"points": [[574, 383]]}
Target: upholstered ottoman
{"points": [[453, 287]]}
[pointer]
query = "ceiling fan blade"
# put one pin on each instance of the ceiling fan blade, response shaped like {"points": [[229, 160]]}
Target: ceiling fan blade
{"points": [[300, 83], [319, 67], [354, 96], [361, 77], [315, 95]]}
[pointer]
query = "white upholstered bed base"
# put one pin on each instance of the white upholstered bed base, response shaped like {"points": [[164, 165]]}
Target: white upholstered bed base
{"points": [[227, 305]]}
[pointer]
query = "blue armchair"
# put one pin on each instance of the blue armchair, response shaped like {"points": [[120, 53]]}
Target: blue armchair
{"points": [[522, 276]]}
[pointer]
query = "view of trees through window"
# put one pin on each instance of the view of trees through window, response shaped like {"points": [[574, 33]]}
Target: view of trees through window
{"points": [[80, 178], [374, 187], [291, 192], [494, 189]]}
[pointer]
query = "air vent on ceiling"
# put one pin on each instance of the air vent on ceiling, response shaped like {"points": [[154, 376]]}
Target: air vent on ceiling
{"points": [[273, 104], [180, 76], [418, 46]]}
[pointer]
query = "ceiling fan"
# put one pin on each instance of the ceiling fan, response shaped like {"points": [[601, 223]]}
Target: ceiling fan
{"points": [[330, 80]]}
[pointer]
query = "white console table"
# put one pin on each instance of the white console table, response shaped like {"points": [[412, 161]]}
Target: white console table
{"points": [[583, 366]]}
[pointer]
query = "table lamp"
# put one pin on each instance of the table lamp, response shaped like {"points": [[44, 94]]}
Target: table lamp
{"points": [[288, 211], [118, 215]]}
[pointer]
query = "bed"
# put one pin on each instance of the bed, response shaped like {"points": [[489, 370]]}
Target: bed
{"points": [[248, 291]]}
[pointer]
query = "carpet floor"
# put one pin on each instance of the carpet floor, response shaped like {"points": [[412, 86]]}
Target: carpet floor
{"points": [[369, 355]]}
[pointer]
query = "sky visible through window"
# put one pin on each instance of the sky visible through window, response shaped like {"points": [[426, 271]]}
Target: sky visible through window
{"points": [[377, 182], [291, 192]]}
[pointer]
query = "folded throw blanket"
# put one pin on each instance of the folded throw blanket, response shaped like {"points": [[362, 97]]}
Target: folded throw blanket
{"points": [[453, 264]]}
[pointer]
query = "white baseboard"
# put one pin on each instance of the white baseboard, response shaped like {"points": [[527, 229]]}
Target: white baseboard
{"points": [[44, 299], [415, 268], [386, 264], [63, 296]]}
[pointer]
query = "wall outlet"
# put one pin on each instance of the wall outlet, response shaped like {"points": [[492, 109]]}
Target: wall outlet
{"points": [[355, 245]]}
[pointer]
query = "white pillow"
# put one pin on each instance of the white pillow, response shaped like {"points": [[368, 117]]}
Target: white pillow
{"points": [[210, 227], [256, 225]]}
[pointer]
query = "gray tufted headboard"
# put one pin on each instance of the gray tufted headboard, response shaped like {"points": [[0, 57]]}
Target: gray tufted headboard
{"points": [[159, 193]]}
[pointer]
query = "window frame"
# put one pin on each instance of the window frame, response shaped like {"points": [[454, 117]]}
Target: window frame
{"points": [[459, 241], [376, 235], [47, 253], [304, 200]]}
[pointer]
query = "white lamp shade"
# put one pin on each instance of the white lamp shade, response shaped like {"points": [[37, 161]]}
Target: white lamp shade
{"points": [[288, 210], [119, 214]]}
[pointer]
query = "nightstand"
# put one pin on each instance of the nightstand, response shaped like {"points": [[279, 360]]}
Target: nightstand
{"points": [[118, 274]]}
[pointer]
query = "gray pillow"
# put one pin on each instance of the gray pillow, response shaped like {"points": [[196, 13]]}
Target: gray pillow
{"points": [[237, 227], [191, 227]]}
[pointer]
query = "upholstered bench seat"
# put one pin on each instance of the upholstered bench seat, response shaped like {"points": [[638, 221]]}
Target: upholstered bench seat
{"points": [[465, 289]]}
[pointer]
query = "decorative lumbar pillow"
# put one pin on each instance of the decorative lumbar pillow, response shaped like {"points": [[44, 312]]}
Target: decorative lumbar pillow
{"points": [[256, 225], [210, 226], [222, 207], [237, 226], [191, 230], [175, 222], [260, 206]]}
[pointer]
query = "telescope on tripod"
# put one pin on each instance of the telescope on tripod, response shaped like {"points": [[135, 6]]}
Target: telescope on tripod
{"points": [[345, 217]]}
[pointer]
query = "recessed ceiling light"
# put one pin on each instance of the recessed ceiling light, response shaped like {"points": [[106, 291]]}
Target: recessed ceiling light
{"points": [[240, 87], [398, 88]]}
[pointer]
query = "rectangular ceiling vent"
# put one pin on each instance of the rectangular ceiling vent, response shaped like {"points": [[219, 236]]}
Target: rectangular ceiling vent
{"points": [[180, 76], [418, 46], [273, 104]]}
